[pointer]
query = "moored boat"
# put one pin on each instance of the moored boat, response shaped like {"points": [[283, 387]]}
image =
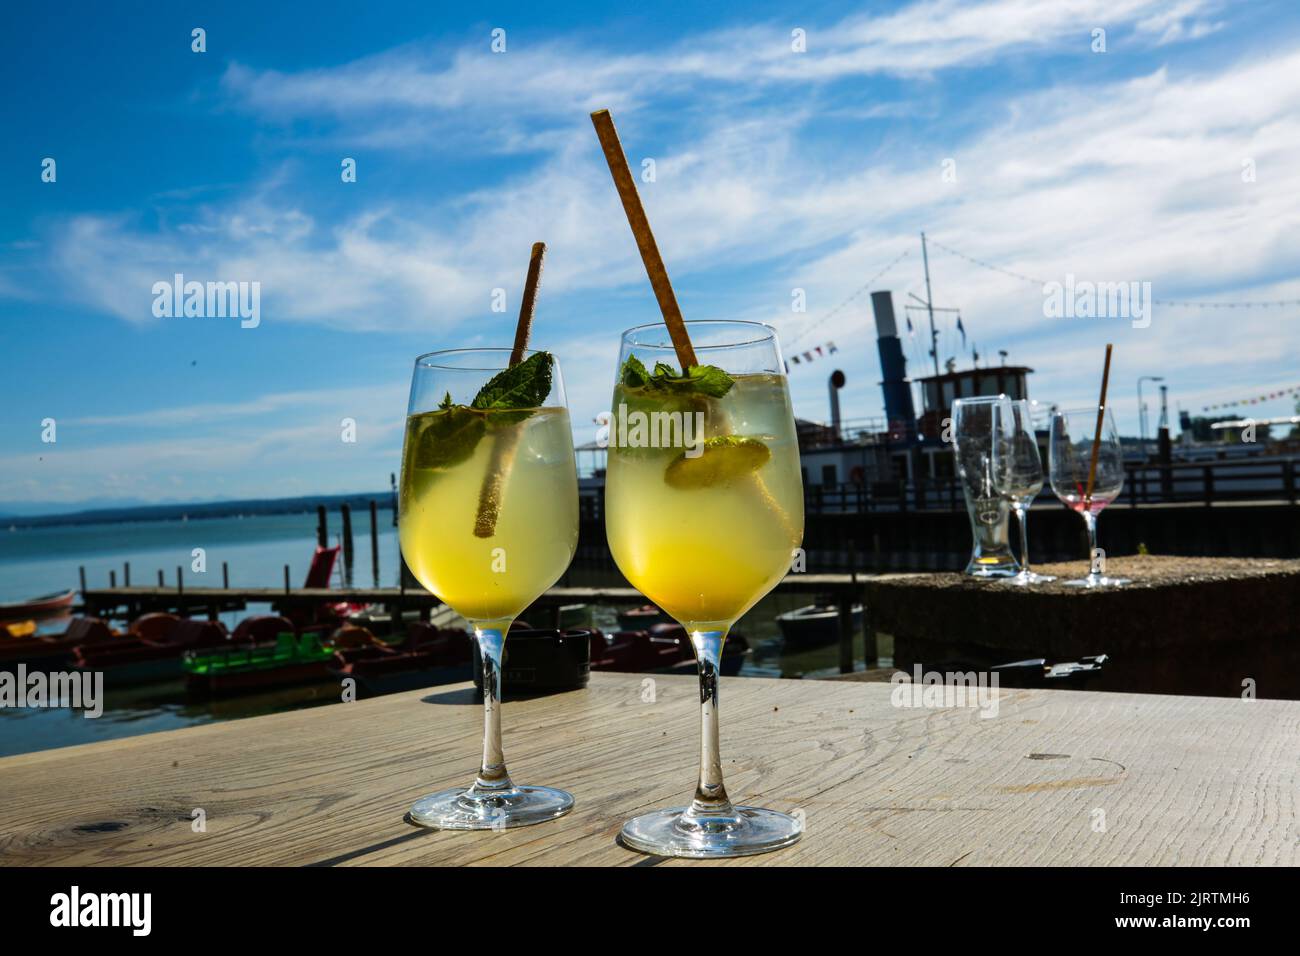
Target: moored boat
{"points": [[641, 618], [292, 658], [661, 647], [47, 605], [814, 624], [427, 657], [55, 650], [144, 656]]}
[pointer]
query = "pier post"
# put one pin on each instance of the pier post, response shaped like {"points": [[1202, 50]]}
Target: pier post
{"points": [[225, 575], [287, 589], [870, 650], [180, 583], [162, 583], [81, 572], [374, 540], [322, 528], [112, 579], [346, 510], [126, 574], [846, 631]]}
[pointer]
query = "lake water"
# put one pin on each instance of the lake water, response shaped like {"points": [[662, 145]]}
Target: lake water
{"points": [[255, 548]]}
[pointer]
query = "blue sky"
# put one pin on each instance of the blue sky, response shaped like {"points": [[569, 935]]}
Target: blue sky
{"points": [[775, 170]]}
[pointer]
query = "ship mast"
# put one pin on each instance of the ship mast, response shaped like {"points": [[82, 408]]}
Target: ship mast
{"points": [[929, 307]]}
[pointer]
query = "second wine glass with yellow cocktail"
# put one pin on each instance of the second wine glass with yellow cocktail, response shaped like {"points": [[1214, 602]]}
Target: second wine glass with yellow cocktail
{"points": [[703, 511]]}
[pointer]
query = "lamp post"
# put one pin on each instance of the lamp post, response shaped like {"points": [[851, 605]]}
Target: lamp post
{"points": [[1142, 409]]}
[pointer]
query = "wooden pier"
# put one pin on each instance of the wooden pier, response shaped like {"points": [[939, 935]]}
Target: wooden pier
{"points": [[125, 603], [1054, 778]]}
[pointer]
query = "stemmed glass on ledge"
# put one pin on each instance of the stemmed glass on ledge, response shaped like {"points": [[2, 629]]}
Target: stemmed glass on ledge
{"points": [[704, 525], [488, 521], [1018, 473], [1070, 454]]}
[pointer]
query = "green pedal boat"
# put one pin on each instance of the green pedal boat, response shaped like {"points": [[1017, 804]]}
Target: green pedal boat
{"points": [[292, 659]]}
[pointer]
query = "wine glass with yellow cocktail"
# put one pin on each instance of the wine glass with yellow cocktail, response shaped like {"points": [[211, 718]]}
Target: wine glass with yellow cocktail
{"points": [[488, 521], [703, 511]]}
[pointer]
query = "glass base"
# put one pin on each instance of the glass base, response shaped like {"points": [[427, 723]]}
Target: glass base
{"points": [[749, 831], [989, 569], [1101, 581], [1025, 578], [517, 807]]}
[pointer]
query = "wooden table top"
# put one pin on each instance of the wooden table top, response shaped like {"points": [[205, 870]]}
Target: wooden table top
{"points": [[1056, 777]]}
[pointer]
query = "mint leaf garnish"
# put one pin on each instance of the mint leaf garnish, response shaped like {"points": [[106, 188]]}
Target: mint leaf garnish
{"points": [[446, 437], [449, 435], [699, 379], [634, 374], [525, 385], [710, 380]]}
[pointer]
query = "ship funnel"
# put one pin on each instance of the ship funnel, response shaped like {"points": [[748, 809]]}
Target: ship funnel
{"points": [[893, 366], [836, 383]]}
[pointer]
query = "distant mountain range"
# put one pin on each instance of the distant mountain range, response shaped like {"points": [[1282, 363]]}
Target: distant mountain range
{"points": [[46, 514]]}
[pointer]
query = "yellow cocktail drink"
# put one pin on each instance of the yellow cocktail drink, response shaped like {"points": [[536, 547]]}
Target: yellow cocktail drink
{"points": [[524, 470], [705, 531]]}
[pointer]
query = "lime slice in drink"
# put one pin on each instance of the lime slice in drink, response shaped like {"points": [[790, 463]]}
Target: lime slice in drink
{"points": [[722, 460]]}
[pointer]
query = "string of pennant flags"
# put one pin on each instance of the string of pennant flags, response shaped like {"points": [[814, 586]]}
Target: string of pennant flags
{"points": [[829, 348], [812, 355], [1183, 303], [1255, 399]]}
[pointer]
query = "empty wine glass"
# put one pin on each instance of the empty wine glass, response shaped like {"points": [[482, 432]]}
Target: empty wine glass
{"points": [[1087, 474], [1018, 473]]}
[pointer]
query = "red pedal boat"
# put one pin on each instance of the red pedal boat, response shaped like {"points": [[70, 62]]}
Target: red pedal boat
{"points": [[47, 605]]}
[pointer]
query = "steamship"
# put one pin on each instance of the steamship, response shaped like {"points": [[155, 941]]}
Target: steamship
{"points": [[903, 446]]}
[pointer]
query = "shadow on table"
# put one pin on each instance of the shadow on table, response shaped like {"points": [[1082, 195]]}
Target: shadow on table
{"points": [[471, 695], [417, 832], [458, 696]]}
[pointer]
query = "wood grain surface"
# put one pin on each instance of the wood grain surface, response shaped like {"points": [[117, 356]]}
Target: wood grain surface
{"points": [[1056, 777]]}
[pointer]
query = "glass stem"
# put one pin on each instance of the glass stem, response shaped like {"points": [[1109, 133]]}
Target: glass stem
{"points": [[711, 809], [1090, 522], [1022, 514], [492, 775]]}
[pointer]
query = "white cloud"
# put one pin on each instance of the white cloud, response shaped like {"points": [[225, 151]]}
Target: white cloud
{"points": [[1130, 179], [156, 454], [560, 80]]}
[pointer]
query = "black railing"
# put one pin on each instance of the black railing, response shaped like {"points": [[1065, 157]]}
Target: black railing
{"points": [[1265, 479], [924, 494], [1252, 479]]}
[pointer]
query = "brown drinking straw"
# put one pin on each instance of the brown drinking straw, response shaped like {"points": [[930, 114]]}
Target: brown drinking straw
{"points": [[1096, 437], [645, 239], [503, 448], [525, 327], [654, 267]]}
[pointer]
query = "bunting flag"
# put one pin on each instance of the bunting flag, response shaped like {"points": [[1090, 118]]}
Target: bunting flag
{"points": [[1254, 400], [816, 352], [962, 329], [911, 332]]}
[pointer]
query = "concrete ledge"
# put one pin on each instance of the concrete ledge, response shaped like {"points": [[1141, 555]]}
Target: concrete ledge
{"points": [[1184, 626]]}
